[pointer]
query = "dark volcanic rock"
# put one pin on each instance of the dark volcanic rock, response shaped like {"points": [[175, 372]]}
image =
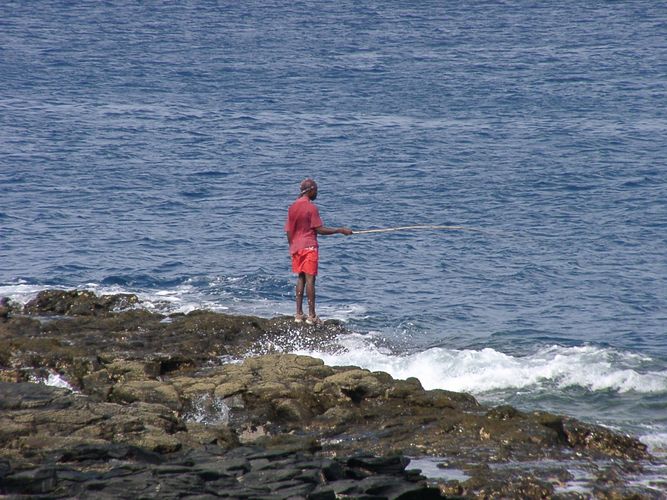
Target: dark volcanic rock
{"points": [[4, 308], [72, 331], [160, 414], [78, 303], [65, 446], [37, 421]]}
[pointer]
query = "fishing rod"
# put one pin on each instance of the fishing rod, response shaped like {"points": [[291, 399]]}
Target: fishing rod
{"points": [[410, 228]]}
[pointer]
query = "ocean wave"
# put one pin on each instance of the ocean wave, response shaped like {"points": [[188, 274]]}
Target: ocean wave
{"points": [[480, 371], [656, 442]]}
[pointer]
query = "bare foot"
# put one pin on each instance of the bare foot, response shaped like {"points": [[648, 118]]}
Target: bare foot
{"points": [[313, 320]]}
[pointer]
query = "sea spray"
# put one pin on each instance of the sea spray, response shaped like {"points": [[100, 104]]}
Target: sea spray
{"points": [[480, 371], [52, 379], [207, 409]]}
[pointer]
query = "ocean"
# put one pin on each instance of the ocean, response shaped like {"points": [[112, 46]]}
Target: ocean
{"points": [[154, 147]]}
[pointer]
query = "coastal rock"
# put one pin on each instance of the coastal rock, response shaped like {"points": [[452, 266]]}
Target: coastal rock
{"points": [[78, 303], [60, 328], [4, 308], [190, 403], [58, 443], [210, 472], [37, 420], [358, 409]]}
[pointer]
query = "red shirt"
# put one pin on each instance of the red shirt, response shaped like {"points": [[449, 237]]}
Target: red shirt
{"points": [[302, 220]]}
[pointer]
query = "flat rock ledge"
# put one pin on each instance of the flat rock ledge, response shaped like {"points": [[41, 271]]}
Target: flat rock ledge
{"points": [[212, 405]]}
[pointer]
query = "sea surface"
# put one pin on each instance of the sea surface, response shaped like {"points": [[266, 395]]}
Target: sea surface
{"points": [[154, 147]]}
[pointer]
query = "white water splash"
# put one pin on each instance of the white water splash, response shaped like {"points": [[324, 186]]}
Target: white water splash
{"points": [[207, 409], [53, 379], [20, 292], [656, 442], [479, 371], [186, 297]]}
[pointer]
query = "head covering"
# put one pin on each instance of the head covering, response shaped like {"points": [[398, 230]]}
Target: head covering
{"points": [[307, 185]]}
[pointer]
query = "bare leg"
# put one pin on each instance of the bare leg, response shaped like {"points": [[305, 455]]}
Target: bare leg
{"points": [[300, 284], [310, 292]]}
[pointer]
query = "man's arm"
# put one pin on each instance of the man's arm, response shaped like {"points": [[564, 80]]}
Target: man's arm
{"points": [[325, 231]]}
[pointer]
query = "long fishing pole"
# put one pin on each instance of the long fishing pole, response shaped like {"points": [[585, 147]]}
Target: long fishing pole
{"points": [[410, 228]]}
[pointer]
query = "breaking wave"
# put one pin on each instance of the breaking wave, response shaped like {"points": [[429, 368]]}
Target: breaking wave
{"points": [[479, 371]]}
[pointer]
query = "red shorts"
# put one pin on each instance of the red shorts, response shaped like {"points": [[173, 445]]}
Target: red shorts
{"points": [[305, 261]]}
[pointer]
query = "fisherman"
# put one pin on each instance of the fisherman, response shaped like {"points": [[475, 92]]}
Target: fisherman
{"points": [[302, 227]]}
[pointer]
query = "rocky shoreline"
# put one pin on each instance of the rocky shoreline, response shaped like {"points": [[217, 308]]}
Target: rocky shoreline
{"points": [[208, 405]]}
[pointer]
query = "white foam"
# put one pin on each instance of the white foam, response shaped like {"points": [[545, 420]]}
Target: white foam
{"points": [[53, 379], [342, 312], [436, 468], [22, 293], [181, 299], [185, 298], [207, 409], [656, 442], [479, 371]]}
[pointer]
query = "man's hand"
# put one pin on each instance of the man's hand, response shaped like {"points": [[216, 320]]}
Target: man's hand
{"points": [[345, 230]]}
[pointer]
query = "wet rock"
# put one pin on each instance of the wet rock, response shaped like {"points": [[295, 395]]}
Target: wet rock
{"points": [[368, 465], [5, 468], [37, 421], [515, 486], [90, 453], [245, 472], [150, 391], [4, 308], [580, 434], [31, 482], [26, 396], [62, 327], [78, 303]]}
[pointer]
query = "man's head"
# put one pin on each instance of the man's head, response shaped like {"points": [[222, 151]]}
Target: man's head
{"points": [[308, 188]]}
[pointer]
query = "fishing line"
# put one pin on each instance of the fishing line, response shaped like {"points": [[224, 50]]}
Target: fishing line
{"points": [[410, 228]]}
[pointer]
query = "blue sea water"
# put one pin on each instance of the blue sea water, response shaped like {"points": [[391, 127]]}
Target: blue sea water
{"points": [[153, 147]]}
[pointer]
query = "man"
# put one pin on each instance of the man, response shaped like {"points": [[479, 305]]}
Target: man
{"points": [[302, 227]]}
